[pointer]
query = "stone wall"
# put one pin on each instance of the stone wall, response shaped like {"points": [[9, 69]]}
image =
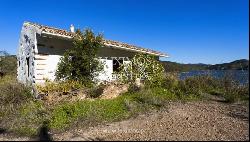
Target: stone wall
{"points": [[25, 54]]}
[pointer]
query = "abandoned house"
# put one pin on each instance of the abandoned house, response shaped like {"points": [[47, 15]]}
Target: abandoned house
{"points": [[40, 49]]}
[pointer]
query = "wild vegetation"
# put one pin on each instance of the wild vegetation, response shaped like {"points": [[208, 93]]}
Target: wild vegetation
{"points": [[8, 63], [145, 67], [22, 114]]}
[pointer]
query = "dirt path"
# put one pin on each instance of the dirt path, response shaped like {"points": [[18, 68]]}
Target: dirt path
{"points": [[208, 120], [189, 121]]}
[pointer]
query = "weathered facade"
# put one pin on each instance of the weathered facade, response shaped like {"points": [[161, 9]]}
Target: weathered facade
{"points": [[40, 49]]}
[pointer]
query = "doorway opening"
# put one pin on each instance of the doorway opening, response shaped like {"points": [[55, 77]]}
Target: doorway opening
{"points": [[28, 65], [116, 65]]}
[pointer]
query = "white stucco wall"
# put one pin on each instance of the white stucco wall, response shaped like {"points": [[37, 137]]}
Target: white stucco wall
{"points": [[106, 74]]}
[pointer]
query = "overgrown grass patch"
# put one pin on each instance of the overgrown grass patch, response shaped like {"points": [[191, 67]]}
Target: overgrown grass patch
{"points": [[19, 112], [101, 110], [192, 88], [12, 95], [25, 119]]}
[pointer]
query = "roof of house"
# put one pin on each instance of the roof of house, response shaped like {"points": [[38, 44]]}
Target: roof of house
{"points": [[112, 43]]}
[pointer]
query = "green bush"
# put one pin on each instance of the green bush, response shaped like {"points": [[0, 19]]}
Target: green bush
{"points": [[81, 63]]}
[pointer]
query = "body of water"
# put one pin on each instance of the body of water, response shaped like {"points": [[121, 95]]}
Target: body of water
{"points": [[238, 75]]}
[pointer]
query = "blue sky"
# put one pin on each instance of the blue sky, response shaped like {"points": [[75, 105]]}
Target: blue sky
{"points": [[190, 31]]}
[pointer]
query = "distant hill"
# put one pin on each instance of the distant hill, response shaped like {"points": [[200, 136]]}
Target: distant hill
{"points": [[242, 64], [178, 67]]}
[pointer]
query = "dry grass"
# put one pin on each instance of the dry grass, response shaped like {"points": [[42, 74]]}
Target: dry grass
{"points": [[22, 114]]}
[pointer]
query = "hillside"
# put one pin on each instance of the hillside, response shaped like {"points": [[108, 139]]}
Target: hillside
{"points": [[8, 64], [242, 64], [178, 67]]}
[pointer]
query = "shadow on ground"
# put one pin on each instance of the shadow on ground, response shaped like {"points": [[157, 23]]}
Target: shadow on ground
{"points": [[2, 131], [44, 133]]}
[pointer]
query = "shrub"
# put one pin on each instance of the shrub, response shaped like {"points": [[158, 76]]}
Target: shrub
{"points": [[81, 63], [145, 67], [170, 81], [95, 91], [191, 88], [233, 92]]}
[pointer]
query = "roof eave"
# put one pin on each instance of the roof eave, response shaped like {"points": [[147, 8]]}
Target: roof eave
{"points": [[57, 35], [130, 49], [121, 47]]}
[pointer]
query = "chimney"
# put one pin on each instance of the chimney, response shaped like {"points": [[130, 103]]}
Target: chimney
{"points": [[72, 28]]}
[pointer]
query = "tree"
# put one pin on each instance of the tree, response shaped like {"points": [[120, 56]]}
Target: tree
{"points": [[81, 63]]}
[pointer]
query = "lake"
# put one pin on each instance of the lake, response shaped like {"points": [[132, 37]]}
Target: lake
{"points": [[238, 75]]}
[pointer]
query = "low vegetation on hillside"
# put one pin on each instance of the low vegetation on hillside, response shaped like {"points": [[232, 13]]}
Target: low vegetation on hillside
{"points": [[8, 63]]}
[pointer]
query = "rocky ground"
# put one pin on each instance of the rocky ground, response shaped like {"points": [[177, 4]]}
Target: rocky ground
{"points": [[203, 120]]}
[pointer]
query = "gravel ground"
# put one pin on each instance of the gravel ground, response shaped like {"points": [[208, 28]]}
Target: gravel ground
{"points": [[189, 121], [209, 120]]}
